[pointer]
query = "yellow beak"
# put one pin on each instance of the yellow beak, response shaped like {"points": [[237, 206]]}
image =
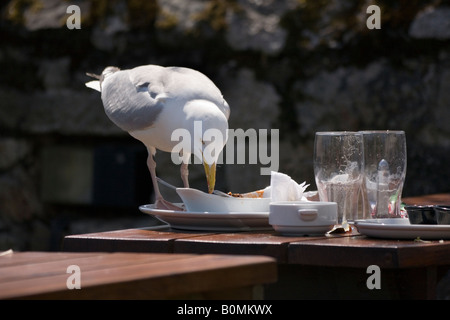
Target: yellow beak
{"points": [[210, 176]]}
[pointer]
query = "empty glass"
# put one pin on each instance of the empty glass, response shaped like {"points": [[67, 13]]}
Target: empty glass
{"points": [[338, 170], [384, 173]]}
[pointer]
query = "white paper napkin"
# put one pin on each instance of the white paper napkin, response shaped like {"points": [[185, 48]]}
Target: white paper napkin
{"points": [[283, 188]]}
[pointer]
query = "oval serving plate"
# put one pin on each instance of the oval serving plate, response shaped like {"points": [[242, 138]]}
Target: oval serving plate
{"points": [[400, 228], [210, 221]]}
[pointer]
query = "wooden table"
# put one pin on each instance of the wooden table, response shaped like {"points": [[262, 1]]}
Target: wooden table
{"points": [[431, 199], [325, 267], [54, 275]]}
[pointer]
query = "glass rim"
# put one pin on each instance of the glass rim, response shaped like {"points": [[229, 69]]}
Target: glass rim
{"points": [[337, 133], [382, 131]]}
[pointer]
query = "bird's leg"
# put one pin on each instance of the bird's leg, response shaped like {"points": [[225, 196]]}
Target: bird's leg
{"points": [[151, 164], [160, 203], [184, 174]]}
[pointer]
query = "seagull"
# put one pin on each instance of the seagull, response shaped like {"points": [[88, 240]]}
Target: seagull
{"points": [[151, 102]]}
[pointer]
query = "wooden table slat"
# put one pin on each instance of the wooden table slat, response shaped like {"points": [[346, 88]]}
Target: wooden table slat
{"points": [[432, 199], [154, 277], [135, 240], [35, 257], [359, 252], [58, 263]]}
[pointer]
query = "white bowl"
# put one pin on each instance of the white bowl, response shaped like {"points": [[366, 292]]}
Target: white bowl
{"points": [[303, 217], [199, 201]]}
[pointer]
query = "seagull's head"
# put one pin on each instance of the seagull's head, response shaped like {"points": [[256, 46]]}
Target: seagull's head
{"points": [[97, 84], [210, 134], [107, 72]]}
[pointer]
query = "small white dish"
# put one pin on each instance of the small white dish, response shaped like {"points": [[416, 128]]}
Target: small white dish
{"points": [[299, 218], [210, 221], [199, 201], [400, 228]]}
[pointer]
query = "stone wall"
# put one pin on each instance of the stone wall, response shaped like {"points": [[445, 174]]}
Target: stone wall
{"points": [[296, 66]]}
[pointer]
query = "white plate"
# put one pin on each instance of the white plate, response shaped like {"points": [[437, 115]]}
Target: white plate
{"points": [[401, 229], [199, 201], [210, 221]]}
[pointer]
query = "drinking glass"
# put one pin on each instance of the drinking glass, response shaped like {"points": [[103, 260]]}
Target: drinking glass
{"points": [[338, 170], [384, 173]]}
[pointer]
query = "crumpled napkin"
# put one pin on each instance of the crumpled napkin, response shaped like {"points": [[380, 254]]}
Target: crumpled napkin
{"points": [[284, 188]]}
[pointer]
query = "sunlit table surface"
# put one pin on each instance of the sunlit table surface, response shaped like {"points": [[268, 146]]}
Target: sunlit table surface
{"points": [[99, 275]]}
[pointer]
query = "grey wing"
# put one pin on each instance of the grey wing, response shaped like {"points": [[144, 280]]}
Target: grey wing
{"points": [[130, 104]]}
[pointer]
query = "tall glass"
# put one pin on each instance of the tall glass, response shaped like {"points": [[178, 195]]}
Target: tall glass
{"points": [[338, 170], [384, 173]]}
